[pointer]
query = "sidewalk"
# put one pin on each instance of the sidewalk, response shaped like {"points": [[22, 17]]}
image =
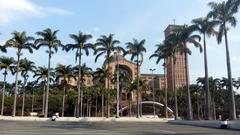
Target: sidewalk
{"points": [[208, 123], [86, 119]]}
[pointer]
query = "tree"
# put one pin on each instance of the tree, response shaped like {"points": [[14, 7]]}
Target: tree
{"points": [[223, 13], [64, 74], [48, 39], [80, 44], [85, 71], [206, 28], [142, 85], [136, 49], [161, 53], [41, 73], [184, 35], [100, 76], [6, 64], [25, 67], [125, 80], [20, 41], [172, 48], [105, 45]]}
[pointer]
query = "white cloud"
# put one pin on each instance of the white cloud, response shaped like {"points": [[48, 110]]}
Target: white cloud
{"points": [[11, 10]]}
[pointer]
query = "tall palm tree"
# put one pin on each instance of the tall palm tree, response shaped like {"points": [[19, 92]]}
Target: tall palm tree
{"points": [[99, 77], [182, 37], [224, 14], [162, 53], [80, 44], [64, 72], [186, 37], [48, 39], [172, 48], [20, 41], [206, 28], [41, 73], [6, 64], [25, 67], [105, 45], [136, 50]]}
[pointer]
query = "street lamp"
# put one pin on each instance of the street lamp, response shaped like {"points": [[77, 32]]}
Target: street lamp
{"points": [[153, 69]]}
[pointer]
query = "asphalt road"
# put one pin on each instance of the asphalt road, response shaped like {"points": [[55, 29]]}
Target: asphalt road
{"points": [[105, 128]]}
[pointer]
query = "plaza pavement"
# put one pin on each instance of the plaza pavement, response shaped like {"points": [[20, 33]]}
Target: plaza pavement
{"points": [[104, 128]]}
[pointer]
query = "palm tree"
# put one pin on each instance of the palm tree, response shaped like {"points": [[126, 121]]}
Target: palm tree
{"points": [[216, 84], [50, 40], [85, 71], [205, 27], [182, 36], [142, 85], [41, 73], [161, 53], [64, 72], [105, 45], [136, 49], [25, 67], [8, 64], [223, 13], [124, 82], [171, 50], [20, 41], [31, 86], [80, 44], [100, 76]]}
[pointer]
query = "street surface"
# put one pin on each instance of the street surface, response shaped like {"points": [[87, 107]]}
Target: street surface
{"points": [[105, 128]]}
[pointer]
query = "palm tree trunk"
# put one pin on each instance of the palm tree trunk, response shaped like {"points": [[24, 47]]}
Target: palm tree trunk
{"points": [[130, 108], [3, 92], [96, 103], [138, 88], [16, 86], [32, 100], [213, 104], [108, 94], [165, 90], [90, 108], [232, 98], [23, 101], [190, 115], [198, 114], [48, 81], [208, 99], [102, 103], [87, 107], [174, 90], [79, 87], [44, 96], [63, 100]]}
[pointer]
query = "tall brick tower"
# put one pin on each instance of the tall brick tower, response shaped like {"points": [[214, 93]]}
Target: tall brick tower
{"points": [[180, 76]]}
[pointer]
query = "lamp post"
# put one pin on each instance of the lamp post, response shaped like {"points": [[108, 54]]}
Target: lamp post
{"points": [[153, 69]]}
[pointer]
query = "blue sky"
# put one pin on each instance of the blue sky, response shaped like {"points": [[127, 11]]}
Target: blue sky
{"points": [[141, 19]]}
